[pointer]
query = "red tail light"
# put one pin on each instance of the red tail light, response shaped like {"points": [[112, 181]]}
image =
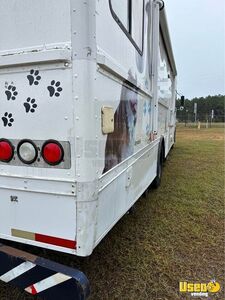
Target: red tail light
{"points": [[6, 150], [52, 152]]}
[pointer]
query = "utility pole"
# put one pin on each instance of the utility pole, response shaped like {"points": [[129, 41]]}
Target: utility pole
{"points": [[186, 117], [195, 111], [212, 116]]}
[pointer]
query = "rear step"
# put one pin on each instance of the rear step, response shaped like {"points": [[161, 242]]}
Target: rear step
{"points": [[42, 277]]}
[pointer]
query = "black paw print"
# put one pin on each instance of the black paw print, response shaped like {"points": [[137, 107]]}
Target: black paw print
{"points": [[55, 89], [30, 105], [11, 92], [7, 119], [34, 77]]}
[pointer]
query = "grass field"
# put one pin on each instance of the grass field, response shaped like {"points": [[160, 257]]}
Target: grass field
{"points": [[202, 125], [177, 233]]}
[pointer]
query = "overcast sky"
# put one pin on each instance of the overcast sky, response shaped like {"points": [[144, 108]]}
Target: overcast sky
{"points": [[197, 29]]}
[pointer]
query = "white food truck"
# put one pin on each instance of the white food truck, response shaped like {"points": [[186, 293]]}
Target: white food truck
{"points": [[87, 116]]}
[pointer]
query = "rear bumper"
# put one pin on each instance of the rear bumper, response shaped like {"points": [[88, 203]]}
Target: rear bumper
{"points": [[42, 277]]}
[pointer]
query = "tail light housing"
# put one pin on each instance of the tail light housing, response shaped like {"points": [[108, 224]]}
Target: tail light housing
{"points": [[6, 150], [52, 152], [27, 151]]}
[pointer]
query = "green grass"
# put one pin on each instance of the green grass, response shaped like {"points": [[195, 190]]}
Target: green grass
{"points": [[176, 234], [203, 125]]}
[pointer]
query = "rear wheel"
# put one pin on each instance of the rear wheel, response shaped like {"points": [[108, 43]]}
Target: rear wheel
{"points": [[146, 192], [157, 181], [131, 210], [174, 138]]}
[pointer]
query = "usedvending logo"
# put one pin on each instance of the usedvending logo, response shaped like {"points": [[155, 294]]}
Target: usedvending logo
{"points": [[199, 289]]}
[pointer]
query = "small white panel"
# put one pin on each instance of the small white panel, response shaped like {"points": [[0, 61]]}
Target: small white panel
{"points": [[107, 120]]}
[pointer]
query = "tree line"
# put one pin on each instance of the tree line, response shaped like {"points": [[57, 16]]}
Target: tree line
{"points": [[205, 105]]}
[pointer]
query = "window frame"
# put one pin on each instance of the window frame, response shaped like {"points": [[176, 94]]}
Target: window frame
{"points": [[128, 32]]}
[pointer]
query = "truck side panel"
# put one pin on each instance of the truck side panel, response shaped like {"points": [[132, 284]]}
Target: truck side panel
{"points": [[166, 97]]}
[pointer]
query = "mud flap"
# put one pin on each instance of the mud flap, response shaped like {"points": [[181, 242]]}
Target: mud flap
{"points": [[44, 278]]}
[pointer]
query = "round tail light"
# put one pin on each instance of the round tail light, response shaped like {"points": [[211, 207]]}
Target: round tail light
{"points": [[27, 151], [52, 152], [6, 151]]}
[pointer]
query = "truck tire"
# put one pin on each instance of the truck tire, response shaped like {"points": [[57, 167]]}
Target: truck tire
{"points": [[174, 138], [157, 181]]}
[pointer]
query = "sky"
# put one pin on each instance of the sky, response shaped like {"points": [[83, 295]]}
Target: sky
{"points": [[197, 29]]}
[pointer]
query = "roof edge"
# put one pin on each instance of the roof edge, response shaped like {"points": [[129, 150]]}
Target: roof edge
{"points": [[166, 37]]}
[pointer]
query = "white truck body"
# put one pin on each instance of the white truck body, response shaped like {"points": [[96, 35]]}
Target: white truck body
{"points": [[98, 77]]}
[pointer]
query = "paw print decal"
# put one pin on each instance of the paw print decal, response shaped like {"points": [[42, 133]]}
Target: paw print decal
{"points": [[55, 89], [11, 92], [30, 105], [34, 77], [7, 119]]}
